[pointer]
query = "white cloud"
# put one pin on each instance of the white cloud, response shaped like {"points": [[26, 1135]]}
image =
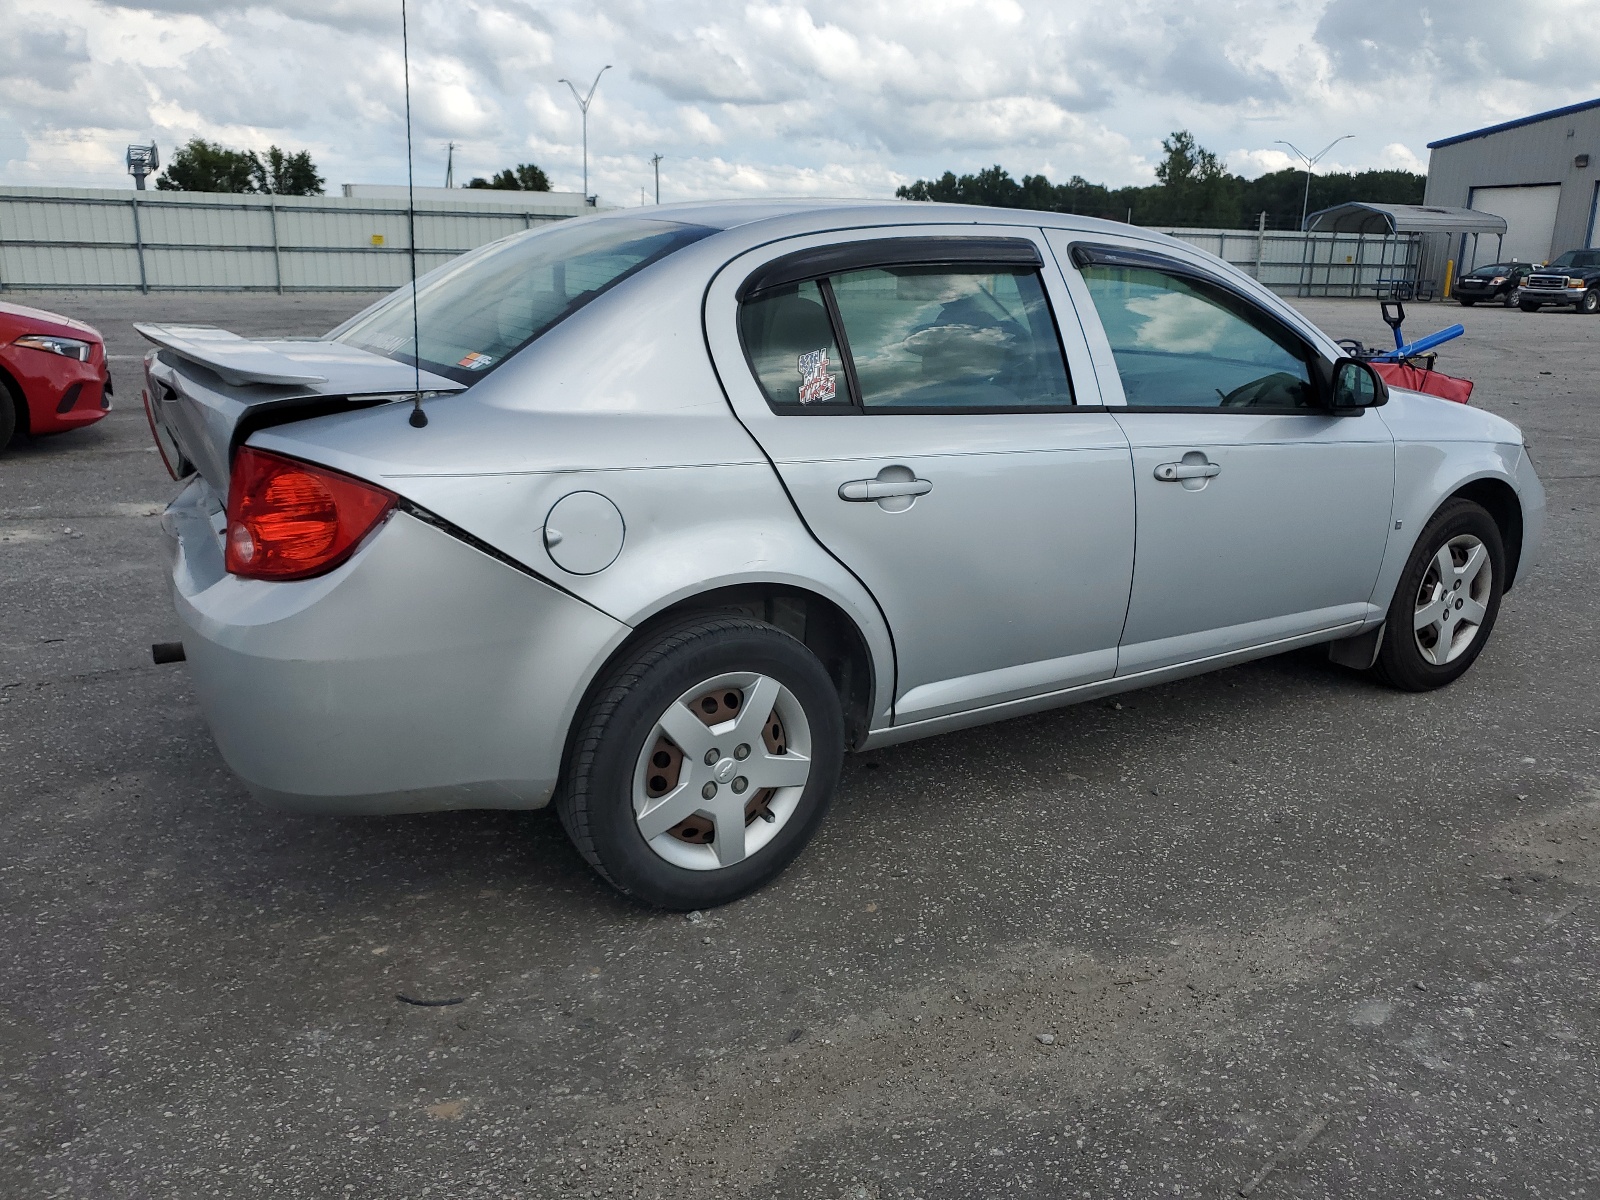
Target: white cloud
{"points": [[766, 97]]}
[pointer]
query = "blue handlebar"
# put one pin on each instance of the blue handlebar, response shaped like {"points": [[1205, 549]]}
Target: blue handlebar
{"points": [[1422, 345]]}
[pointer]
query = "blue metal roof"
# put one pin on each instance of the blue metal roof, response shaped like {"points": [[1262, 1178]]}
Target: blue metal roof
{"points": [[1504, 125]]}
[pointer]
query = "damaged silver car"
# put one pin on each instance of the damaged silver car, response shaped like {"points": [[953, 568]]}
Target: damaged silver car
{"points": [[702, 498]]}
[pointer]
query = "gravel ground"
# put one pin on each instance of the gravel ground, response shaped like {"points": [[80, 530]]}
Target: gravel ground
{"points": [[1273, 931]]}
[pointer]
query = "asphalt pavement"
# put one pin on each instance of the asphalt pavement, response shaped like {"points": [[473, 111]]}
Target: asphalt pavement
{"points": [[1275, 931]]}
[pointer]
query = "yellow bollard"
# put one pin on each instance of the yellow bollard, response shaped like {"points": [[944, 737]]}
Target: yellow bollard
{"points": [[1449, 276]]}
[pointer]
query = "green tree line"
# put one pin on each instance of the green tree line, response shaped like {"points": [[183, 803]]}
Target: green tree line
{"points": [[1193, 188], [202, 166]]}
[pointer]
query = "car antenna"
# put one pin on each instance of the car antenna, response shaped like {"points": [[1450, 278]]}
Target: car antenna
{"points": [[418, 417]]}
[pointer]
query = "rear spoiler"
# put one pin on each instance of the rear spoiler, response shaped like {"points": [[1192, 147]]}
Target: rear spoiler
{"points": [[208, 389], [238, 360]]}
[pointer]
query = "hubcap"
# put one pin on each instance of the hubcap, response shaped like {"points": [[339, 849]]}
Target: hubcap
{"points": [[722, 771], [1453, 599]]}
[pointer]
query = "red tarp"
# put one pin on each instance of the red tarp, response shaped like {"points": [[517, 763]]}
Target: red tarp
{"points": [[1415, 379]]}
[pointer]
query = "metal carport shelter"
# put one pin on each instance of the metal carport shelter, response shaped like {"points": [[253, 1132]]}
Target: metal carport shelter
{"points": [[1415, 220]]}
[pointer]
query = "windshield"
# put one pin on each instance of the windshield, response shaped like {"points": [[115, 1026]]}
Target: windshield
{"points": [[476, 312], [1577, 258]]}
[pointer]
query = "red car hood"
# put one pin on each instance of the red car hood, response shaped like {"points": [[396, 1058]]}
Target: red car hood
{"points": [[21, 319]]}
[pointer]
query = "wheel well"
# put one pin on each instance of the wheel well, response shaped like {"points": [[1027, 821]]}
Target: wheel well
{"points": [[1500, 500], [19, 403], [818, 622]]}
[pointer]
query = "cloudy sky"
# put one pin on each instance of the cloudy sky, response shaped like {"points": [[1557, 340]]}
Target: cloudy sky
{"points": [[826, 97]]}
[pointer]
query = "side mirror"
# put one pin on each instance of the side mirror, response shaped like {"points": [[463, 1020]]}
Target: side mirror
{"points": [[1357, 386]]}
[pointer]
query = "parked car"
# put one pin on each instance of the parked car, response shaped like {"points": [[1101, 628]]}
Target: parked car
{"points": [[1498, 282], [709, 496], [1571, 280], [53, 373]]}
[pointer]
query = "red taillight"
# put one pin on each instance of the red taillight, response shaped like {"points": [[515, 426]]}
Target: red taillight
{"points": [[291, 520]]}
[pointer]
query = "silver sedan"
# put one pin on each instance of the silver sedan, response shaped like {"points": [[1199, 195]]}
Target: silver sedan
{"points": [[656, 515]]}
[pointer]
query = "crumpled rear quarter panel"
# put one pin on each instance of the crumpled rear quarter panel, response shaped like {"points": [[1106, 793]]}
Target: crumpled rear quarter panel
{"points": [[421, 675]]}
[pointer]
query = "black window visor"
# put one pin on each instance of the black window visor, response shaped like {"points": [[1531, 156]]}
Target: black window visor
{"points": [[889, 252]]}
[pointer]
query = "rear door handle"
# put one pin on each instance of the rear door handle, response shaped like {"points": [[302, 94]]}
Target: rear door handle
{"points": [[859, 491], [1177, 472]]}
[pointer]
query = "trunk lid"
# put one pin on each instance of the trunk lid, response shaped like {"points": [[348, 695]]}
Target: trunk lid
{"points": [[207, 389]]}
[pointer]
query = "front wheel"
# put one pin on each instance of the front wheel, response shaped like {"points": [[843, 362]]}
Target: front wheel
{"points": [[1527, 306], [1445, 605], [1465, 302], [704, 763], [1590, 304], [1510, 298], [8, 416]]}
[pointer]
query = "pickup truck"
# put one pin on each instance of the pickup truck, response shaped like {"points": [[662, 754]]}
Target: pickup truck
{"points": [[1572, 280]]}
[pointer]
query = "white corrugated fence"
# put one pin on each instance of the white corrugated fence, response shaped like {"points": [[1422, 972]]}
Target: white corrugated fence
{"points": [[84, 238], [93, 238]]}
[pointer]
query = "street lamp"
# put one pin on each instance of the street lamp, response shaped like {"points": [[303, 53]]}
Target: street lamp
{"points": [[583, 107], [1310, 161]]}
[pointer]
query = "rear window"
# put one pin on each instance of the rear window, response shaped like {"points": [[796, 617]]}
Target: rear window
{"points": [[476, 312]]}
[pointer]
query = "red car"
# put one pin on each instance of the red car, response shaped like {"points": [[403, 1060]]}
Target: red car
{"points": [[53, 373]]}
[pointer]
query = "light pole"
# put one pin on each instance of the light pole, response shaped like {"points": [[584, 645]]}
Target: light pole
{"points": [[1310, 161], [656, 162], [583, 107]]}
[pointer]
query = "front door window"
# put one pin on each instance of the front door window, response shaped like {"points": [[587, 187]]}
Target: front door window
{"points": [[1182, 343]]}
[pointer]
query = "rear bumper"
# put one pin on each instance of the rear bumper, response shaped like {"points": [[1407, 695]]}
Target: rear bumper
{"points": [[421, 675]]}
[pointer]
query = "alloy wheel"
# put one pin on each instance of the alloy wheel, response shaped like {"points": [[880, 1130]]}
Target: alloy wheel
{"points": [[1453, 599], [722, 771]]}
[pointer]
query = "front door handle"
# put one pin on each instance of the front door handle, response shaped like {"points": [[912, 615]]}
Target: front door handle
{"points": [[1179, 471], [858, 491]]}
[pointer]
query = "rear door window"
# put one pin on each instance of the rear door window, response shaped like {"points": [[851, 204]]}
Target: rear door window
{"points": [[908, 338], [951, 337], [792, 349]]}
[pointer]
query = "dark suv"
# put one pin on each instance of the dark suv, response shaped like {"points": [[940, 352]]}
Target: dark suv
{"points": [[1572, 280], [1497, 284]]}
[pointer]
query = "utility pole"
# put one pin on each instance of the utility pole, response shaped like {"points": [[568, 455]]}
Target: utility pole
{"points": [[450, 165], [1310, 160], [583, 107], [655, 161]]}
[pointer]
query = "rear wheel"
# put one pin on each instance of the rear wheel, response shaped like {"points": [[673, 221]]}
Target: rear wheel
{"points": [[1445, 605], [704, 763]]}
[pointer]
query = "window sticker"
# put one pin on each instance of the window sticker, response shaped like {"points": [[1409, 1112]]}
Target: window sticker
{"points": [[816, 385], [477, 362]]}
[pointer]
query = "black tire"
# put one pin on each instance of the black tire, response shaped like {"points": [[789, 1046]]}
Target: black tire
{"points": [[1510, 298], [1590, 304], [1528, 306], [596, 798], [1401, 663], [8, 416], [1465, 302]]}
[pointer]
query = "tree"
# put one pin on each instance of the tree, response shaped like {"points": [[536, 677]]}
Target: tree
{"points": [[525, 177], [1187, 162], [1195, 189], [202, 166], [285, 174]]}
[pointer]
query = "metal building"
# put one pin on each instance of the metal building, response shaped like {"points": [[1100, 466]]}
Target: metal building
{"points": [[1541, 173]]}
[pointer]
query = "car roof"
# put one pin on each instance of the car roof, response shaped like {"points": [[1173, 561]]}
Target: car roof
{"points": [[793, 214]]}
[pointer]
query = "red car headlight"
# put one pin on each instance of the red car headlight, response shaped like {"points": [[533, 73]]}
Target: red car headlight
{"points": [[291, 520]]}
